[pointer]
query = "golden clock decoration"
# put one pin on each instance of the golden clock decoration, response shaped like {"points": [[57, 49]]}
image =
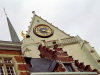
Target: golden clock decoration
{"points": [[43, 30]]}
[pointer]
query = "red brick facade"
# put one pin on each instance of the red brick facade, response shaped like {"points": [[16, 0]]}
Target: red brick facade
{"points": [[56, 54], [22, 67], [59, 55], [11, 52], [59, 68], [20, 61]]}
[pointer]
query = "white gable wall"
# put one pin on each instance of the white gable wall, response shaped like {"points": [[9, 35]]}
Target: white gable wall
{"points": [[82, 54], [58, 34]]}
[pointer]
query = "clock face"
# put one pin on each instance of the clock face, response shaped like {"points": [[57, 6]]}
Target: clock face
{"points": [[43, 31]]}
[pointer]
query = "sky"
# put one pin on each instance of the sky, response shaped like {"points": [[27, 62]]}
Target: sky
{"points": [[75, 17]]}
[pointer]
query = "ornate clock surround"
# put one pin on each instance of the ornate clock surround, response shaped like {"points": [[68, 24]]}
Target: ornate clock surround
{"points": [[43, 31]]}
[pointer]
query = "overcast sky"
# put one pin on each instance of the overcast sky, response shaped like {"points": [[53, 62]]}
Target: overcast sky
{"points": [[75, 17]]}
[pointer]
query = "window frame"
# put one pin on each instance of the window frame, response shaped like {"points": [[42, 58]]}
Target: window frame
{"points": [[4, 65], [69, 65]]}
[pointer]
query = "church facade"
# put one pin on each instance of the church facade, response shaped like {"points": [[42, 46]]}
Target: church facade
{"points": [[47, 50]]}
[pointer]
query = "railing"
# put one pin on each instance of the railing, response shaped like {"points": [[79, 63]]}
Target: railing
{"points": [[50, 43], [64, 41], [67, 41], [63, 73]]}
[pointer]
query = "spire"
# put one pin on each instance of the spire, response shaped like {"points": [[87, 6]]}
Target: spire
{"points": [[13, 33]]}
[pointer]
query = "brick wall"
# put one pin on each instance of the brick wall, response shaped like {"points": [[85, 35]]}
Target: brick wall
{"points": [[19, 62]]}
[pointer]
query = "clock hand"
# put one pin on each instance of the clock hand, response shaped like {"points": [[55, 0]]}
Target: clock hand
{"points": [[44, 30]]}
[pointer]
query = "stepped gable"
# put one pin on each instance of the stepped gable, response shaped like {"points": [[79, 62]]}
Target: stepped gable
{"points": [[61, 56]]}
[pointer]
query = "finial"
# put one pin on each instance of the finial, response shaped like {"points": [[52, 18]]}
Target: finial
{"points": [[5, 12], [33, 12], [23, 35]]}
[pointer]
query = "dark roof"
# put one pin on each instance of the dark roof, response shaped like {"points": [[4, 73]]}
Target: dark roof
{"points": [[40, 64]]}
